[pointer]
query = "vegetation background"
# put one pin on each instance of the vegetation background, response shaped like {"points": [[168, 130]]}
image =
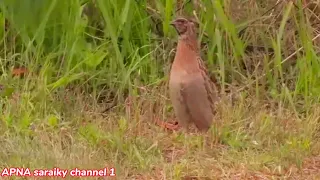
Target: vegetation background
{"points": [[83, 83]]}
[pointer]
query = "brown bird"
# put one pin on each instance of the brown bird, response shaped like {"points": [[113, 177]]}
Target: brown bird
{"points": [[192, 93]]}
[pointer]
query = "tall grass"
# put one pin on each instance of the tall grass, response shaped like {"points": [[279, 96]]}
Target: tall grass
{"points": [[85, 56]]}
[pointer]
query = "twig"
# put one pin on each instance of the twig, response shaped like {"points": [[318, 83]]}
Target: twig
{"points": [[271, 9]]}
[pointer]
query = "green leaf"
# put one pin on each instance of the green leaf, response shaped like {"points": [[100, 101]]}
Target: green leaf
{"points": [[94, 59], [7, 92], [53, 121], [65, 80]]}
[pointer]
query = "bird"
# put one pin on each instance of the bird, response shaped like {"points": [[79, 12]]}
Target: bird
{"points": [[192, 93]]}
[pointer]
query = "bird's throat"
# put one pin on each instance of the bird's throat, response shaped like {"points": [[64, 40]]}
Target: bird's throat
{"points": [[186, 56], [190, 42]]}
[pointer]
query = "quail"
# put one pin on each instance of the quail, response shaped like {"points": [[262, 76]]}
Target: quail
{"points": [[193, 95]]}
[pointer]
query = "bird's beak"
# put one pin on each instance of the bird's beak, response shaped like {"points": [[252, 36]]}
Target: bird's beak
{"points": [[172, 23]]}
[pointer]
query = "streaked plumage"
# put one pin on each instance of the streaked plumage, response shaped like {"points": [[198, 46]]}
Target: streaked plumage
{"points": [[192, 93]]}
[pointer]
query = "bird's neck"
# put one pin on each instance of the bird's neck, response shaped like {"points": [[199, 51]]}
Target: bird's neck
{"points": [[190, 40], [187, 54]]}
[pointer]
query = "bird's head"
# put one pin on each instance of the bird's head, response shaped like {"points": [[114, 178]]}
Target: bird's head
{"points": [[184, 26]]}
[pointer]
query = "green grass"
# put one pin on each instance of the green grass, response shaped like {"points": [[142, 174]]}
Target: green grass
{"points": [[86, 56]]}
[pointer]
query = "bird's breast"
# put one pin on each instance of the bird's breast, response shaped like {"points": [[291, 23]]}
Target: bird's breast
{"points": [[185, 64], [177, 76], [186, 59]]}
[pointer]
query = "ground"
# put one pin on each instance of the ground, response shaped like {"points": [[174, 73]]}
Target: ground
{"points": [[252, 143]]}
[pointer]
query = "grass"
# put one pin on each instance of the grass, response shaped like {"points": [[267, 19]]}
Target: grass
{"points": [[83, 57]]}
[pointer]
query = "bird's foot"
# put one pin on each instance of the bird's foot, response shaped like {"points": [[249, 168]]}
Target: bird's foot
{"points": [[172, 126]]}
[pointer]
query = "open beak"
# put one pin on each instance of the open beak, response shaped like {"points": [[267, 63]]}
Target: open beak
{"points": [[172, 23]]}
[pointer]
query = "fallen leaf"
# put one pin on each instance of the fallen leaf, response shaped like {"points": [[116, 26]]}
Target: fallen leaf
{"points": [[19, 71]]}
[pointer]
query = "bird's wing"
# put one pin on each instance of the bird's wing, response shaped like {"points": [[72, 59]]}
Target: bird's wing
{"points": [[198, 100], [210, 85]]}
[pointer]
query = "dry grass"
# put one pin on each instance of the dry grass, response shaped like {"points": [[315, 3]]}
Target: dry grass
{"points": [[257, 140]]}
